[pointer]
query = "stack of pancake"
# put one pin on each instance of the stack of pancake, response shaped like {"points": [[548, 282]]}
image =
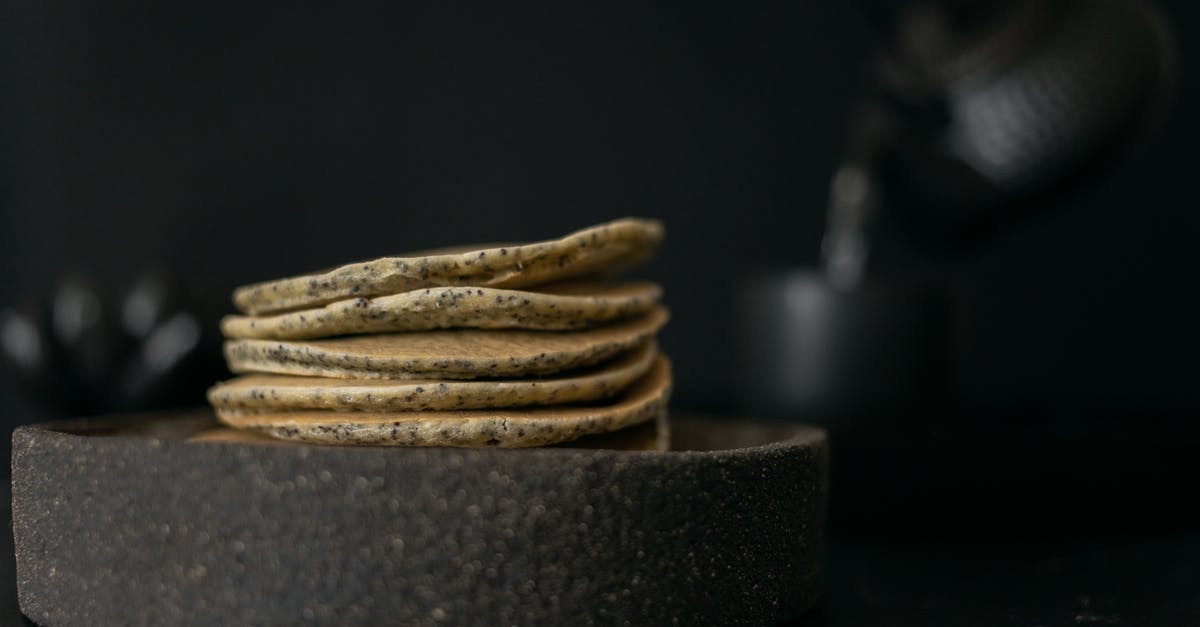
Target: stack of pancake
{"points": [[510, 346]]}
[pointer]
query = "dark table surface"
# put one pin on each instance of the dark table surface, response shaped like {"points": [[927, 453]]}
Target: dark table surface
{"points": [[1149, 579], [990, 581]]}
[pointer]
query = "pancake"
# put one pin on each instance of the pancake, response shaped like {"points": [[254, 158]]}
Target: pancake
{"points": [[652, 435], [266, 393], [608, 247], [567, 306], [509, 428], [447, 354]]}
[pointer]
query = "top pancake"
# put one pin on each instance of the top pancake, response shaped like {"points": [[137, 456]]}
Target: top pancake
{"points": [[605, 247]]}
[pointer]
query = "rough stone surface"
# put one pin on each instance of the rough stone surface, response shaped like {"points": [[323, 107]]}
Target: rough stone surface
{"points": [[128, 523]]}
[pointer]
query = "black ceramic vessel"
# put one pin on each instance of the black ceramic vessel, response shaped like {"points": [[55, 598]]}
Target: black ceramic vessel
{"points": [[127, 522]]}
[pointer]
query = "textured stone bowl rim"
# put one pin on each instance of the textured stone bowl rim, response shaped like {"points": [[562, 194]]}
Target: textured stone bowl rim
{"points": [[683, 513]]}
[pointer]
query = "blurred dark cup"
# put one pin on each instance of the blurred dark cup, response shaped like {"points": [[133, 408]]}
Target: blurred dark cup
{"points": [[845, 359]]}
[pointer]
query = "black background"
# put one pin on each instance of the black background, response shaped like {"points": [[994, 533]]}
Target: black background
{"points": [[246, 141], [231, 142]]}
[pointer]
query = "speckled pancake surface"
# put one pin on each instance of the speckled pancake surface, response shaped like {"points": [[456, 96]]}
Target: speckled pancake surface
{"points": [[266, 392], [557, 307], [643, 401], [448, 354], [652, 435], [609, 247]]}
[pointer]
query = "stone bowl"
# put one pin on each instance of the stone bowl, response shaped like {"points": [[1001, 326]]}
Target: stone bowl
{"points": [[128, 521]]}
